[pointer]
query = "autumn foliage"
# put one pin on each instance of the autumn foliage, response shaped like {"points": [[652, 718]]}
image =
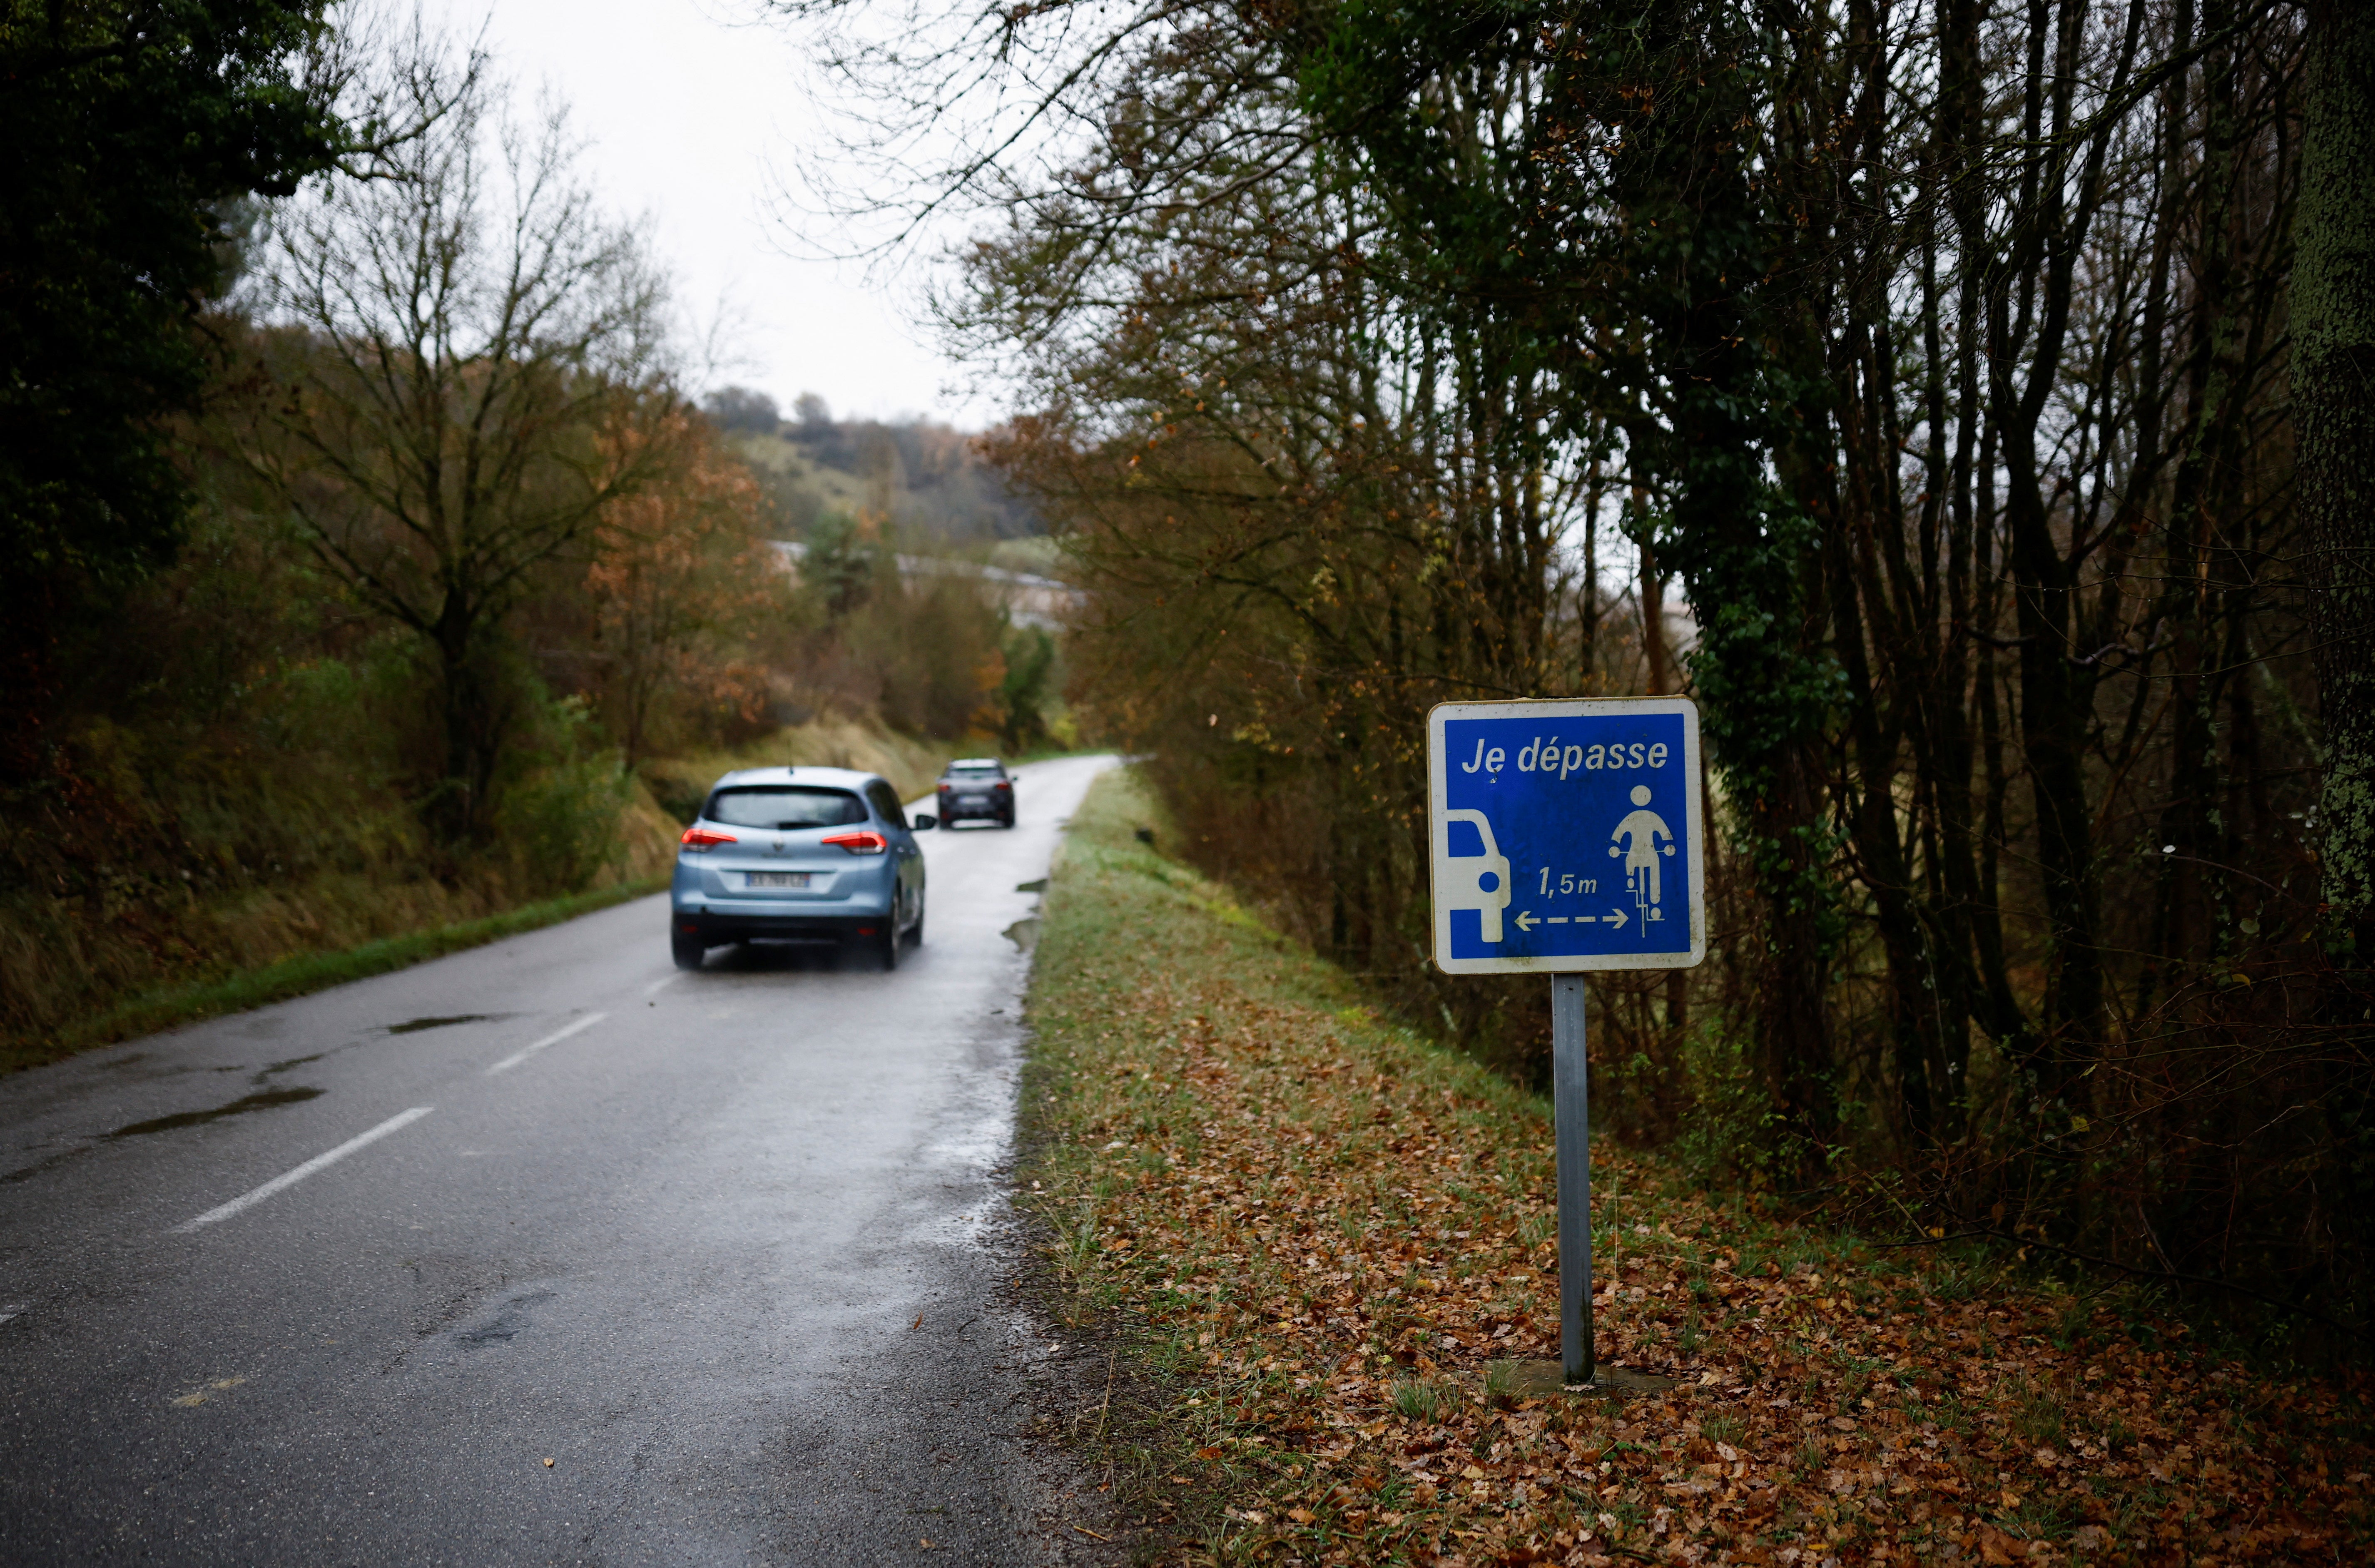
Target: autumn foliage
{"points": [[680, 581], [1329, 1237]]}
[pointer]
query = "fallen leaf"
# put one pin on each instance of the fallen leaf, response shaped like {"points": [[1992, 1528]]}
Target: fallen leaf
{"points": [[1264, 1126]]}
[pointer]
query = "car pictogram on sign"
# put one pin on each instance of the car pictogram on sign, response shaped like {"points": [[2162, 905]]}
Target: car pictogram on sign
{"points": [[1473, 881]]}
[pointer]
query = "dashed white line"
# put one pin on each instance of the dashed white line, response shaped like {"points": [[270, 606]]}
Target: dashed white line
{"points": [[555, 1038], [319, 1163], [656, 986]]}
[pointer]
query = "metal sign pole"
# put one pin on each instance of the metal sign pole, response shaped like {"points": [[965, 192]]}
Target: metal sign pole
{"points": [[1565, 835], [1571, 1105]]}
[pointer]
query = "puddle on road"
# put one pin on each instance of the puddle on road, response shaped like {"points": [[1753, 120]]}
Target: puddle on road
{"points": [[415, 1025], [264, 1101], [505, 1324], [240, 1107], [1025, 933], [27, 1173]]}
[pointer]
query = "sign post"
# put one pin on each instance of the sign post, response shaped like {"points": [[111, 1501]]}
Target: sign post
{"points": [[1566, 837], [1571, 1113]]}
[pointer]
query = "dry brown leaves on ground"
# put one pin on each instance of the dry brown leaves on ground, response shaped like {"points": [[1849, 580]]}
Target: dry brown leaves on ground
{"points": [[1321, 1233]]}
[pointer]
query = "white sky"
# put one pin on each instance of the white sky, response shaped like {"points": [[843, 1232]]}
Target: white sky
{"points": [[685, 110]]}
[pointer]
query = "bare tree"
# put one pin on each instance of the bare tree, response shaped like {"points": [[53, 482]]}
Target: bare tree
{"points": [[473, 363]]}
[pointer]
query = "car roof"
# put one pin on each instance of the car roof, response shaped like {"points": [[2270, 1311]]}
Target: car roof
{"points": [[976, 763], [831, 778]]}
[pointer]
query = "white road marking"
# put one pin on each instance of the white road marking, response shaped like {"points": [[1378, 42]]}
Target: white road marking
{"points": [[11, 1310], [656, 986], [319, 1163], [555, 1038]]}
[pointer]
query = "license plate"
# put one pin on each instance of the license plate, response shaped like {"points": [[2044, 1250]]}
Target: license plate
{"points": [[778, 879]]}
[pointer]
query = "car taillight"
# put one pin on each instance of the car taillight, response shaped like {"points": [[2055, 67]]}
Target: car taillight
{"points": [[865, 841], [698, 839], [1003, 785]]}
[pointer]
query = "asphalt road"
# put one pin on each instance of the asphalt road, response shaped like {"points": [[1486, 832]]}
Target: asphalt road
{"points": [[641, 1267]]}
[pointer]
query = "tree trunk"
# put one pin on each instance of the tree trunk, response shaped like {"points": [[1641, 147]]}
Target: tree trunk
{"points": [[2334, 415], [474, 719], [1661, 683]]}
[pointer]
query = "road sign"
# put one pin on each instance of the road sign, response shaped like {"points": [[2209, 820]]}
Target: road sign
{"points": [[1567, 835]]}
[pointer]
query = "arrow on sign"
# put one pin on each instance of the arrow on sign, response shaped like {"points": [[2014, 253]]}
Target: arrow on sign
{"points": [[1526, 921], [1617, 920]]}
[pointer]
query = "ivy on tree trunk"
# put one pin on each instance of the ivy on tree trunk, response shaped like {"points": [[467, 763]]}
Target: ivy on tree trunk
{"points": [[2334, 414]]}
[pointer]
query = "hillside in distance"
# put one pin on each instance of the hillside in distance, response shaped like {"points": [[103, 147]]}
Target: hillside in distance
{"points": [[925, 478]]}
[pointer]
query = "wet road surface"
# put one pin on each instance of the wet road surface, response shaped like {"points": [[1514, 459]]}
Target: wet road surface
{"points": [[545, 1253]]}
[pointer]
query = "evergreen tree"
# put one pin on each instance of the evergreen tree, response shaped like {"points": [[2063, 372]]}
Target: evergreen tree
{"points": [[132, 131]]}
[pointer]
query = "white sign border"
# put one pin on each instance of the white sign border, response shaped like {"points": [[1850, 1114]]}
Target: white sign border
{"points": [[1438, 802]]}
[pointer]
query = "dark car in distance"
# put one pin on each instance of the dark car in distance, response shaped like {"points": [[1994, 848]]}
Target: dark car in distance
{"points": [[979, 788]]}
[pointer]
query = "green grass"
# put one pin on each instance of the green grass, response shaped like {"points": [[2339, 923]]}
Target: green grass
{"points": [[306, 972]]}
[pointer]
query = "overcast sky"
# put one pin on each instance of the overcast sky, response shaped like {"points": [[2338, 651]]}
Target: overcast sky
{"points": [[685, 110]]}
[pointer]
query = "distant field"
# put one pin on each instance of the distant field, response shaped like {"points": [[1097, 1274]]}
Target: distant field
{"points": [[928, 479]]}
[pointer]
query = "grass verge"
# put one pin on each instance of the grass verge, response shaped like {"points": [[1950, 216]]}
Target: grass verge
{"points": [[306, 972], [1311, 1233]]}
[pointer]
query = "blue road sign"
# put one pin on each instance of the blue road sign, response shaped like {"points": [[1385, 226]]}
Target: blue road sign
{"points": [[1567, 835]]}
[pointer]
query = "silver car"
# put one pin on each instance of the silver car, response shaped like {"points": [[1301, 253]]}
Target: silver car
{"points": [[798, 854]]}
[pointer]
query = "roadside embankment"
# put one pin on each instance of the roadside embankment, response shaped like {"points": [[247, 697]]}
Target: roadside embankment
{"points": [[1308, 1234], [175, 884], [306, 972]]}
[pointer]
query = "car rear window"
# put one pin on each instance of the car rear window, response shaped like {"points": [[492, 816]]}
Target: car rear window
{"points": [[977, 772], [783, 806]]}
